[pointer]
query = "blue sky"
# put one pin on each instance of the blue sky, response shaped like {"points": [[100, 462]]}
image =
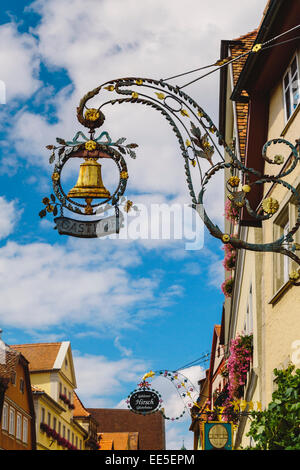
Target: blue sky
{"points": [[125, 306]]}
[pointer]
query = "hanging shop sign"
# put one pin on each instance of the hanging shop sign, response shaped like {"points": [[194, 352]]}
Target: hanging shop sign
{"points": [[89, 195], [144, 401], [200, 144], [217, 436], [92, 229]]}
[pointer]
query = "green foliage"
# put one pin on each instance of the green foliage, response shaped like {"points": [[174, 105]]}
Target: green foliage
{"points": [[278, 427]]}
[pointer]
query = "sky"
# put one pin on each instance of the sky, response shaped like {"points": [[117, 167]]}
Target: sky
{"points": [[126, 306]]}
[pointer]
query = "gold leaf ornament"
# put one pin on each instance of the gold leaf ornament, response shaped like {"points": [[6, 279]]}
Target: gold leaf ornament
{"points": [[139, 81], [225, 238], [270, 205], [109, 87], [90, 145], [256, 48], [92, 114], [124, 175], [184, 112], [294, 275], [134, 94], [278, 159], [160, 96], [55, 176], [246, 188], [234, 181]]}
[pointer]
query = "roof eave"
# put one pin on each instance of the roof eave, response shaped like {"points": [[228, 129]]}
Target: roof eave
{"points": [[251, 61]]}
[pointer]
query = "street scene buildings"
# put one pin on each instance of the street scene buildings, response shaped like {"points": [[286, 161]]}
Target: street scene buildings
{"points": [[254, 344]]}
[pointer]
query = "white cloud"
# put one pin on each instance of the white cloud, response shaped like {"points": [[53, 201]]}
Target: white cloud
{"points": [[96, 41], [9, 216], [99, 379], [43, 285], [19, 62]]}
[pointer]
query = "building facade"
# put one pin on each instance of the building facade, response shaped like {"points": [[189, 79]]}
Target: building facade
{"points": [[17, 416], [53, 382], [259, 101]]}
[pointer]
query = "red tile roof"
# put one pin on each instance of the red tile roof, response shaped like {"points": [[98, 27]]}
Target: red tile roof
{"points": [[150, 428], [247, 41], [79, 410], [41, 356]]}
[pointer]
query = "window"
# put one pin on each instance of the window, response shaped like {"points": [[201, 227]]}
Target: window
{"points": [[291, 88], [25, 430], [42, 415], [5, 417], [49, 419], [68, 435], [11, 421], [13, 378], [22, 385], [54, 423], [64, 431], [59, 427], [248, 327], [19, 426]]}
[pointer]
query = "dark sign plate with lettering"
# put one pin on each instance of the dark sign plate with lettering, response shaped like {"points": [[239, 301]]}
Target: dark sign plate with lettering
{"points": [[144, 401]]}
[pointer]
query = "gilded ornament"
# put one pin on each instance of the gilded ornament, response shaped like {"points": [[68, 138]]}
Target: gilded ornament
{"points": [[90, 145], [128, 206], [124, 175], [270, 205], [278, 159], [55, 176], [160, 96], [256, 48], [134, 94], [225, 238], [184, 112], [92, 114], [234, 181], [294, 275], [246, 188]]}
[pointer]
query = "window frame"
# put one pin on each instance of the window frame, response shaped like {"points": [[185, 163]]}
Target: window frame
{"points": [[19, 426], [25, 430], [5, 420], [12, 421], [288, 88]]}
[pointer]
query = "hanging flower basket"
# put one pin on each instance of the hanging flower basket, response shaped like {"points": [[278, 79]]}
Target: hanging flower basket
{"points": [[229, 261], [231, 211], [238, 364], [227, 287]]}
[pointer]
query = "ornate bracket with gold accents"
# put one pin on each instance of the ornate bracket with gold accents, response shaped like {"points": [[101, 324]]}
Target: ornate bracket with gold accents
{"points": [[199, 142]]}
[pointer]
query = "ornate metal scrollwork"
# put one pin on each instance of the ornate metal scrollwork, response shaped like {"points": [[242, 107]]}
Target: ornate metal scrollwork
{"points": [[197, 134]]}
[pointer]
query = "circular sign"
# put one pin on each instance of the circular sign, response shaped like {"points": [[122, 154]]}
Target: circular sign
{"points": [[144, 401], [218, 436]]}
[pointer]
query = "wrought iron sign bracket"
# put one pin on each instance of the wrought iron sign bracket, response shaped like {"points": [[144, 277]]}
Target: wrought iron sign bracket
{"points": [[199, 141]]}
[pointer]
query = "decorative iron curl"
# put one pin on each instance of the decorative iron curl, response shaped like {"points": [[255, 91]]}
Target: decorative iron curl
{"points": [[197, 136]]}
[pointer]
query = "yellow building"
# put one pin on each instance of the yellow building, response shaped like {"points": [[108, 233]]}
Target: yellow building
{"points": [[53, 382], [260, 101]]}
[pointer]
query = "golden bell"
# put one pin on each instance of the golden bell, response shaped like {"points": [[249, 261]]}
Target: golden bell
{"points": [[89, 184]]}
